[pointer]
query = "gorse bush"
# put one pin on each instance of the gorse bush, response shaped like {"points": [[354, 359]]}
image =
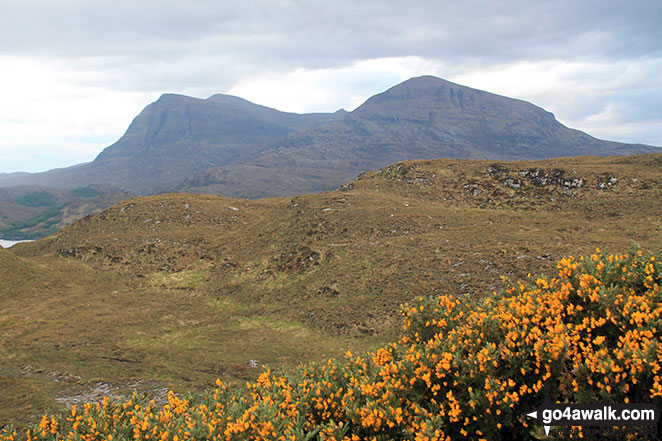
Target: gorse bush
{"points": [[462, 370], [591, 334]]}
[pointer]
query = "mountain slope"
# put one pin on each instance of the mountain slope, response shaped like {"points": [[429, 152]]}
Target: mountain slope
{"points": [[176, 136], [423, 117]]}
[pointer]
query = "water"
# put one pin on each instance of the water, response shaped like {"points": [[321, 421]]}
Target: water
{"points": [[8, 243]]}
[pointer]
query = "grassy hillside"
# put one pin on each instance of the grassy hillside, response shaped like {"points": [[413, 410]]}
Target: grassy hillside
{"points": [[462, 370], [173, 291]]}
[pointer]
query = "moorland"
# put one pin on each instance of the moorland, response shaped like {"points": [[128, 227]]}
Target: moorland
{"points": [[172, 291]]}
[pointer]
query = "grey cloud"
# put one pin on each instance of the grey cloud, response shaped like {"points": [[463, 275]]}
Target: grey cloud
{"points": [[202, 47], [325, 33]]}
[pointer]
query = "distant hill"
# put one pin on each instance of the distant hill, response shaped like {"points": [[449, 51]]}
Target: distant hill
{"points": [[28, 212], [229, 146], [11, 176]]}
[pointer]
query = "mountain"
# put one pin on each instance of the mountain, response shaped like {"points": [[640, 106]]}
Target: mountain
{"points": [[227, 145], [423, 118], [176, 290], [176, 136]]}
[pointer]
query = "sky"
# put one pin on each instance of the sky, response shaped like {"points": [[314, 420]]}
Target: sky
{"points": [[74, 73]]}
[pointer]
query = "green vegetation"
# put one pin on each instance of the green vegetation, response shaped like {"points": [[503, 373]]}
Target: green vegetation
{"points": [[26, 214], [86, 192], [46, 221], [36, 199]]}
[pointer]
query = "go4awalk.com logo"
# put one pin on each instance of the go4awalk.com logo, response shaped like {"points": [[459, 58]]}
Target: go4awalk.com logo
{"points": [[551, 414]]}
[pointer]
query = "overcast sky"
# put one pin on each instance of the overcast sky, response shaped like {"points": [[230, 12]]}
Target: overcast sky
{"points": [[74, 73]]}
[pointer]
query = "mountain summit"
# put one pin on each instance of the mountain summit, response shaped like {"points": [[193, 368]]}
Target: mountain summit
{"points": [[227, 145], [429, 117], [421, 118]]}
